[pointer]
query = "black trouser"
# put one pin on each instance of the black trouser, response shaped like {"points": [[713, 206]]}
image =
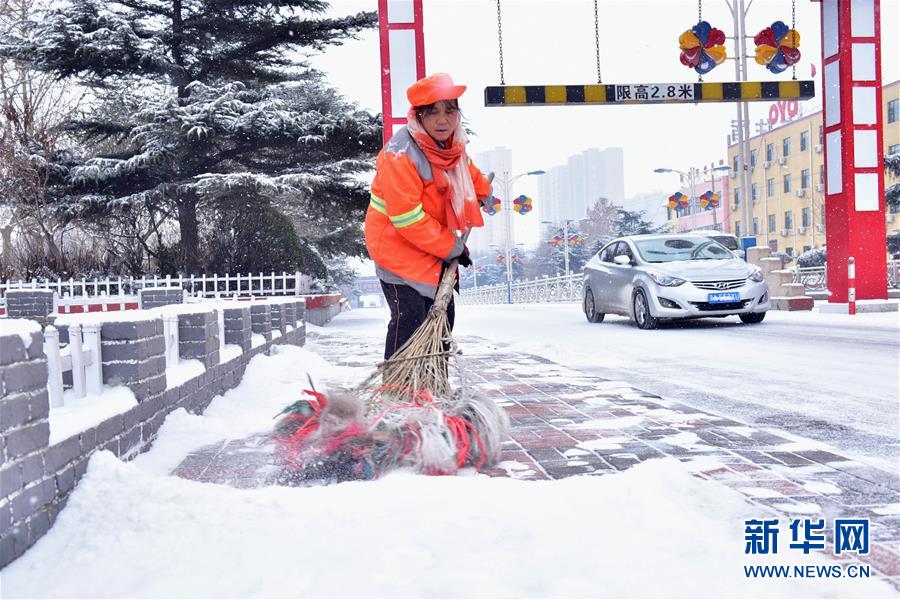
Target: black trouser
{"points": [[409, 309]]}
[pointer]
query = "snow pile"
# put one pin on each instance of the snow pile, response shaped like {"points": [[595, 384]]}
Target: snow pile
{"points": [[270, 383], [20, 327], [187, 368], [229, 352], [80, 414], [651, 531]]}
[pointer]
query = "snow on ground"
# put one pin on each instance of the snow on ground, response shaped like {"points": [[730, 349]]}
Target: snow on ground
{"points": [[798, 371], [132, 530], [80, 414], [270, 383], [651, 531]]}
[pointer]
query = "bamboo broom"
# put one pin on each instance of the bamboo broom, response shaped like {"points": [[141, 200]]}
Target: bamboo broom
{"points": [[422, 363]]}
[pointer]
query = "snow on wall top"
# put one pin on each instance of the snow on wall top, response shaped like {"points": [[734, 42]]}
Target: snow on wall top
{"points": [[99, 318], [23, 328]]}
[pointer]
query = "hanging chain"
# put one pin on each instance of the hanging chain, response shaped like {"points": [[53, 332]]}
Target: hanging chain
{"points": [[793, 35], [597, 39], [500, 41], [699, 20]]}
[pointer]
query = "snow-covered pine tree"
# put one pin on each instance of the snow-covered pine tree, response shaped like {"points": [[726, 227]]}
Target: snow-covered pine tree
{"points": [[205, 99], [892, 192]]}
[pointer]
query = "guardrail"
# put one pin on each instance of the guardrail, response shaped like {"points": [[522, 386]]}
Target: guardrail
{"points": [[815, 279], [571, 288], [547, 289], [271, 284], [120, 293]]}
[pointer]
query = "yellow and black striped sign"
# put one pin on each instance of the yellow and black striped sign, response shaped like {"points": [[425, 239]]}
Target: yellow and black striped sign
{"points": [[647, 93]]}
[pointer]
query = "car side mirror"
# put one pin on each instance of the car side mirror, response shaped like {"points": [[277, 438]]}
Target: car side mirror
{"points": [[622, 260], [738, 253]]}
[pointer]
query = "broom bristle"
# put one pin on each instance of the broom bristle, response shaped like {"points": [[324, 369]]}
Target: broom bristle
{"points": [[420, 364]]}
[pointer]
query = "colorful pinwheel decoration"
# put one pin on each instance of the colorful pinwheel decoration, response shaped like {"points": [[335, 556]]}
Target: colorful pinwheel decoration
{"points": [[701, 47], [576, 239], [557, 240], [709, 198], [492, 206], [522, 204], [678, 200], [777, 47]]}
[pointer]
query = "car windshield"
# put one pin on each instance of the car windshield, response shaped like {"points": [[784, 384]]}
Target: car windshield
{"points": [[660, 250], [726, 241]]}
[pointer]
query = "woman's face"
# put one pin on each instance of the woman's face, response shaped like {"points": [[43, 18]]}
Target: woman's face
{"points": [[440, 120]]}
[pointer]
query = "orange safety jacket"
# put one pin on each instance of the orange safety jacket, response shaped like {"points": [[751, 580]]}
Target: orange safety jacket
{"points": [[406, 223]]}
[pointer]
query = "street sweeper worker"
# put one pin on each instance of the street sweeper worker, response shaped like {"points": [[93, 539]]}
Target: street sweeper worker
{"points": [[425, 195]]}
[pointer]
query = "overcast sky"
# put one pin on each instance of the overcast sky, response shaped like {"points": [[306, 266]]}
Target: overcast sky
{"points": [[552, 42]]}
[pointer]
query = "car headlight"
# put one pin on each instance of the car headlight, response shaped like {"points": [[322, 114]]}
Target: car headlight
{"points": [[666, 280], [757, 275]]}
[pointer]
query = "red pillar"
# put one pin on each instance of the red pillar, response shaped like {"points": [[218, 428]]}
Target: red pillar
{"points": [[854, 147], [402, 58]]}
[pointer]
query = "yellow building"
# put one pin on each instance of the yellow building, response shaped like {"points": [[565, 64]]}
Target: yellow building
{"points": [[788, 180]]}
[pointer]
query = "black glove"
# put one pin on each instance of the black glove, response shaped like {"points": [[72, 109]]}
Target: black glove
{"points": [[464, 259]]}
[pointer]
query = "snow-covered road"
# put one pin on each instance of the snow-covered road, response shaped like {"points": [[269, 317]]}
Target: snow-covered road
{"points": [[831, 378]]}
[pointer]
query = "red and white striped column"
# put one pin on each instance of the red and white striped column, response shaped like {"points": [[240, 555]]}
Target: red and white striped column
{"points": [[854, 142], [402, 57]]}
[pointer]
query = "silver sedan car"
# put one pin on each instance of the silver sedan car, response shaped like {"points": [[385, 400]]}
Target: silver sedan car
{"points": [[655, 277]]}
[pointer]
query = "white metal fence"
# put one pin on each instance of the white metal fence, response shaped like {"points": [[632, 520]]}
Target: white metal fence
{"points": [[547, 289], [81, 356], [263, 284], [815, 279], [571, 288], [121, 293]]}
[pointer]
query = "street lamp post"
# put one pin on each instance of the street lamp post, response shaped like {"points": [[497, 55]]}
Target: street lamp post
{"points": [[507, 208], [712, 183], [691, 176], [566, 239]]}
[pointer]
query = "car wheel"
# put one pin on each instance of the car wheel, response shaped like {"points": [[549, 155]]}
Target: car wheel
{"points": [[751, 318], [590, 308], [642, 316]]}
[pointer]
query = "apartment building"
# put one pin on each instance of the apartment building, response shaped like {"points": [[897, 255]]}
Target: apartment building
{"points": [[787, 181]]}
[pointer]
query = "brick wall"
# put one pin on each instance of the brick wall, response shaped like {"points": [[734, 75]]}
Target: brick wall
{"points": [[237, 327], [28, 304], [156, 297], [198, 337], [36, 478], [261, 320], [26, 489]]}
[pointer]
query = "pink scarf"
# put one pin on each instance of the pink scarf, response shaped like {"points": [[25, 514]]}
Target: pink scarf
{"points": [[454, 164]]}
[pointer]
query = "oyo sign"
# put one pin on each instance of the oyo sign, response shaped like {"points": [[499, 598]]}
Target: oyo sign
{"points": [[783, 111]]}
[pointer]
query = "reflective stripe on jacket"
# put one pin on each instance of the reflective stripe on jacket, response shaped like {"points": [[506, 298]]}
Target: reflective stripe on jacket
{"points": [[406, 223]]}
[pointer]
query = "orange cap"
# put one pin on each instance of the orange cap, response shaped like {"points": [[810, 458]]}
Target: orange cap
{"points": [[433, 88]]}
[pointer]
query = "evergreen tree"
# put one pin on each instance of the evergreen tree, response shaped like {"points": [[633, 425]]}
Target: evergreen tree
{"points": [[892, 193], [201, 100], [629, 222]]}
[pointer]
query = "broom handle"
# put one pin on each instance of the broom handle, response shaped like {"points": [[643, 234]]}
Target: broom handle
{"points": [[445, 289]]}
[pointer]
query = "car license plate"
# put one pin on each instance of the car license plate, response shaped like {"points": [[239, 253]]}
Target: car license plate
{"points": [[723, 297]]}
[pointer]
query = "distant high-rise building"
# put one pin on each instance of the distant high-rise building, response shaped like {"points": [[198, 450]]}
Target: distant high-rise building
{"points": [[498, 161], [568, 191]]}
